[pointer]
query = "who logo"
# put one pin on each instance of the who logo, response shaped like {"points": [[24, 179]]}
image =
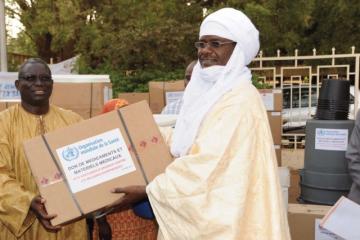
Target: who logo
{"points": [[70, 153]]}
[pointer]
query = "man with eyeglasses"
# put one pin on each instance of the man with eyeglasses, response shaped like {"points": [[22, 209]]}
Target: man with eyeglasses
{"points": [[223, 183], [22, 214]]}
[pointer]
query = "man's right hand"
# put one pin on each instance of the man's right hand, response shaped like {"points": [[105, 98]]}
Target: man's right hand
{"points": [[38, 208]]}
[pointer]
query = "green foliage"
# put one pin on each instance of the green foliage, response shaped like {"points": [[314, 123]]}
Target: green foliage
{"points": [[136, 41], [129, 35], [22, 45], [137, 81], [259, 84], [132, 81], [334, 24]]}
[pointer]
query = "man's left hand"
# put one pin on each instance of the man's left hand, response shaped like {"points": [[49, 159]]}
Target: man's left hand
{"points": [[132, 194], [38, 208]]}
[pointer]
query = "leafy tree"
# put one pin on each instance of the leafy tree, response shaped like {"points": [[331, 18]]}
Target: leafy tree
{"points": [[334, 24], [52, 26], [130, 34], [281, 23]]}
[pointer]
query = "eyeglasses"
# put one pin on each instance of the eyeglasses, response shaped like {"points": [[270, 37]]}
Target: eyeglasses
{"points": [[32, 78], [211, 44]]}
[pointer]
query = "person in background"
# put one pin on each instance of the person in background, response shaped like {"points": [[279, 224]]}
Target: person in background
{"points": [[353, 157], [23, 215], [223, 182], [125, 224], [174, 107]]}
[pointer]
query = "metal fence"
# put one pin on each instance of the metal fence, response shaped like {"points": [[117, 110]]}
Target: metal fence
{"points": [[300, 78]]}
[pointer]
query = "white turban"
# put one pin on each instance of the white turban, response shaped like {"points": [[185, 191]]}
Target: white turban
{"points": [[209, 84], [234, 25]]}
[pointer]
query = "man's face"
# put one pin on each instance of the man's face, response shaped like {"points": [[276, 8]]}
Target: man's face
{"points": [[35, 84], [211, 56]]}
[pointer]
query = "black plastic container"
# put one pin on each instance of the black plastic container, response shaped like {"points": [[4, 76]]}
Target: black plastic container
{"points": [[334, 100]]}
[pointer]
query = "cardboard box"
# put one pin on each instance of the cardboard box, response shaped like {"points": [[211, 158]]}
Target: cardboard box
{"points": [[5, 105], [135, 97], [73, 96], [278, 154], [101, 93], [302, 220], [284, 176], [294, 190], [293, 158], [2, 106], [275, 122], [115, 149], [84, 94], [272, 99], [158, 91], [9, 104], [84, 98]]}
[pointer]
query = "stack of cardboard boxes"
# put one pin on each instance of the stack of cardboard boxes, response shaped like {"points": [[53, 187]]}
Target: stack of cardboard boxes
{"points": [[272, 99], [84, 94], [160, 94], [302, 221]]}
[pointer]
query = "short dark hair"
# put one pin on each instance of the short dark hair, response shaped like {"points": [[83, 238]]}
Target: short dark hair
{"points": [[32, 61]]}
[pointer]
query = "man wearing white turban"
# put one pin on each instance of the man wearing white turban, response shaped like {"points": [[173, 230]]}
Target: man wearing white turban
{"points": [[223, 183]]}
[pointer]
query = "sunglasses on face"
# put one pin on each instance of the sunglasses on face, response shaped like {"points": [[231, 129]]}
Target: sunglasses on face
{"points": [[211, 44], [32, 78]]}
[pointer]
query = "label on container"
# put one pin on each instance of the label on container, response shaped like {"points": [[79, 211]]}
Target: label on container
{"points": [[331, 139], [268, 99], [8, 92], [95, 160], [173, 96]]}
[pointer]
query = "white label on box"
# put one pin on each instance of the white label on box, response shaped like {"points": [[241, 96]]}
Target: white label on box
{"points": [[323, 234], [107, 94], [173, 96], [268, 99], [8, 92], [331, 139], [95, 160]]}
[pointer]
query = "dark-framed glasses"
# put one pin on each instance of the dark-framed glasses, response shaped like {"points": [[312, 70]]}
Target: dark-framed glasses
{"points": [[32, 78], [211, 44]]}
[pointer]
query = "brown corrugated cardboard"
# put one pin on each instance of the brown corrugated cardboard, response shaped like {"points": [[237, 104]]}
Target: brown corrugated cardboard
{"points": [[272, 99], [134, 97], [101, 93], [293, 158], [302, 220], [278, 154], [9, 104], [275, 122], [86, 99], [2, 106], [157, 91], [73, 96], [294, 190], [84, 94], [149, 155]]}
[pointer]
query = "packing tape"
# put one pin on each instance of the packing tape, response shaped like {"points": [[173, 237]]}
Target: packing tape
{"points": [[133, 147], [63, 174]]}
